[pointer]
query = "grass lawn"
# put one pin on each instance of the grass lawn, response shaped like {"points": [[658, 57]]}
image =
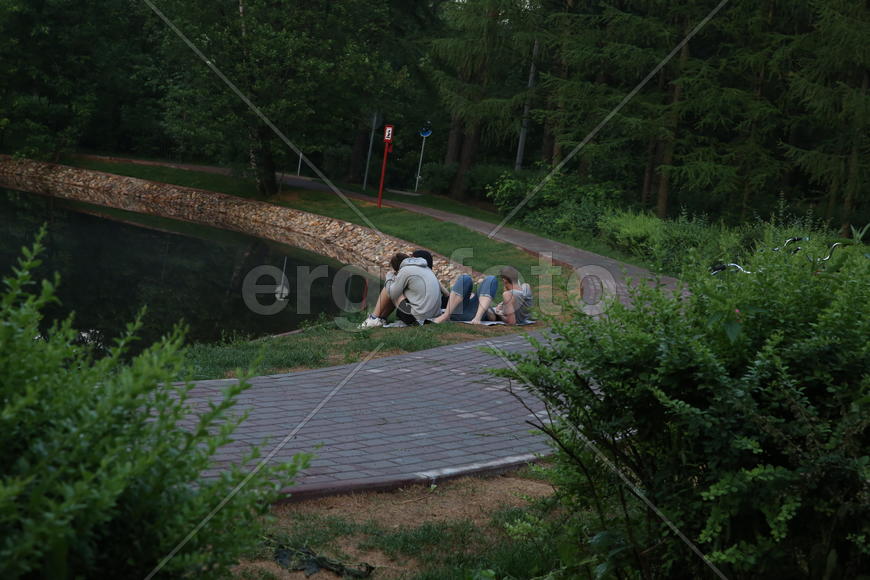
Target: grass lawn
{"points": [[589, 243], [322, 345], [443, 237], [238, 186], [481, 211]]}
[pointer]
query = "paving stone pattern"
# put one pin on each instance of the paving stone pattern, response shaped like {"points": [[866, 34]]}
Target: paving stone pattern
{"points": [[410, 418]]}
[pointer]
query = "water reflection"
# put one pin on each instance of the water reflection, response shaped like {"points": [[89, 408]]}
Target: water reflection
{"points": [[112, 263]]}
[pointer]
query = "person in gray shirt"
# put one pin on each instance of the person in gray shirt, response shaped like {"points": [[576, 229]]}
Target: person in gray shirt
{"points": [[412, 290]]}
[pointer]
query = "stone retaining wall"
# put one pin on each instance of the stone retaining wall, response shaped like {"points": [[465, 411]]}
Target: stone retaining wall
{"points": [[343, 241]]}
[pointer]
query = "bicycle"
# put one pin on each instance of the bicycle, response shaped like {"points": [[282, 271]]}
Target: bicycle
{"points": [[717, 268]]}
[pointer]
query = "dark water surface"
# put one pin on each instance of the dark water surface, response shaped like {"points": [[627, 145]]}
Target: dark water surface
{"points": [[112, 263]]}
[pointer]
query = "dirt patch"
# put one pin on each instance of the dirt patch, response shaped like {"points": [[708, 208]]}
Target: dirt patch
{"points": [[385, 568], [268, 569], [468, 498], [473, 499]]}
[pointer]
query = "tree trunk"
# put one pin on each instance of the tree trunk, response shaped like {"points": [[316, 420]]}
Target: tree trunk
{"points": [[652, 154], [583, 167], [664, 179], [524, 130], [466, 160], [358, 156], [548, 143], [263, 162], [852, 179], [668, 150], [260, 148], [833, 187], [454, 140], [744, 206]]}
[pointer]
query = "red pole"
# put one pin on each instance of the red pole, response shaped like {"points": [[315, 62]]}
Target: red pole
{"points": [[383, 173]]}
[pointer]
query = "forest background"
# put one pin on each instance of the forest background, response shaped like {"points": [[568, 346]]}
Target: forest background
{"points": [[767, 103]]}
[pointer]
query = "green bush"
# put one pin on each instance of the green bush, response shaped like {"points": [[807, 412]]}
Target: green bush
{"points": [[101, 461], [672, 245], [437, 177], [637, 233], [562, 207], [482, 176], [740, 409]]}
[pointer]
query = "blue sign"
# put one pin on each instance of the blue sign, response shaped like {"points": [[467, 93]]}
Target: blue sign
{"points": [[425, 132]]}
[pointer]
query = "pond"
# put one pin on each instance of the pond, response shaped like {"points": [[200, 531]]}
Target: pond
{"points": [[221, 284]]}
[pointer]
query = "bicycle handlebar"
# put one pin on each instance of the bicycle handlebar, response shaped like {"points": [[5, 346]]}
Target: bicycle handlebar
{"points": [[790, 241], [722, 267], [830, 252]]}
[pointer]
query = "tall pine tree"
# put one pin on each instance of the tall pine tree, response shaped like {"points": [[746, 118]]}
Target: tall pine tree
{"points": [[831, 83], [478, 68]]}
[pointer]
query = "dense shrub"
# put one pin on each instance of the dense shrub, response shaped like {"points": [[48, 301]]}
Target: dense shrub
{"points": [[437, 177], [740, 409], [482, 176], [563, 207], [668, 244], [637, 233], [98, 478]]}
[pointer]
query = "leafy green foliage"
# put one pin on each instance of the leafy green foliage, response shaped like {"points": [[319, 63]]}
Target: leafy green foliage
{"points": [[102, 460], [667, 243], [740, 409], [563, 206], [437, 177], [482, 176], [766, 98]]}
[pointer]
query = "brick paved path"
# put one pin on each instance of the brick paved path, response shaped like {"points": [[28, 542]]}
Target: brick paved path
{"points": [[411, 418]]}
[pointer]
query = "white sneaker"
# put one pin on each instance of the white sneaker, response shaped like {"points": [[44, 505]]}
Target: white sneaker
{"points": [[372, 322]]}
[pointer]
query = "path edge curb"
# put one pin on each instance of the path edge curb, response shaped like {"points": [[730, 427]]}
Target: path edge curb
{"points": [[299, 493]]}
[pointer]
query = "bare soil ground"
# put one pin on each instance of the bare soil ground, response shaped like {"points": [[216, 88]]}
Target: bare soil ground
{"points": [[471, 499]]}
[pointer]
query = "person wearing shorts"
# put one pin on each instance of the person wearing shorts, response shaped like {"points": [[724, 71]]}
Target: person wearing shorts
{"points": [[465, 305]]}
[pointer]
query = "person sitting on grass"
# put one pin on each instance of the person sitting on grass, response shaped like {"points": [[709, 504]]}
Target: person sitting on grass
{"points": [[412, 290], [465, 306], [426, 255]]}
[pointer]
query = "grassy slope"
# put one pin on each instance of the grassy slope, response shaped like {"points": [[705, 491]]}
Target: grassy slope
{"points": [[323, 345], [238, 186], [326, 204], [442, 237], [589, 243]]}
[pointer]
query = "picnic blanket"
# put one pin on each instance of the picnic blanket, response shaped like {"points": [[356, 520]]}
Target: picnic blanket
{"points": [[495, 322], [400, 324]]}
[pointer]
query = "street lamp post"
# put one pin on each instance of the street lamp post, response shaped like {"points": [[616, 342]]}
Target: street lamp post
{"points": [[369, 157], [424, 132]]}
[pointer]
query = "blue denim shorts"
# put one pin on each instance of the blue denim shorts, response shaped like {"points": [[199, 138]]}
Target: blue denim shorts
{"points": [[463, 287]]}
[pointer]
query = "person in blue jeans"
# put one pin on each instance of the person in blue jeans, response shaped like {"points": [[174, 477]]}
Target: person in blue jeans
{"points": [[466, 306]]}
